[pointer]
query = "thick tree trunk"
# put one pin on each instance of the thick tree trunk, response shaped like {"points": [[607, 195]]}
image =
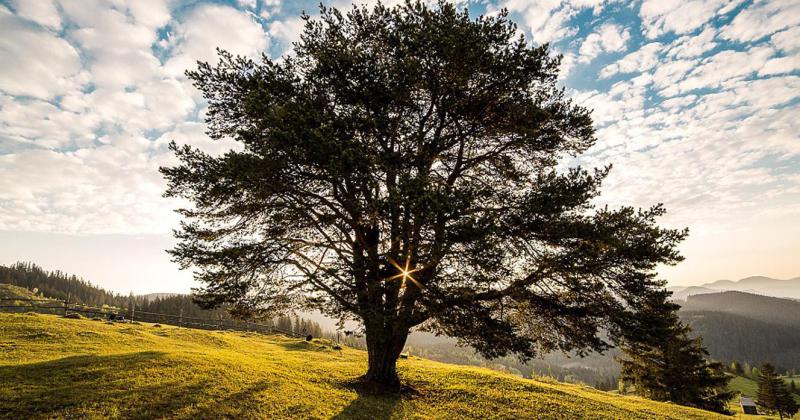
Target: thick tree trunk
{"points": [[384, 347]]}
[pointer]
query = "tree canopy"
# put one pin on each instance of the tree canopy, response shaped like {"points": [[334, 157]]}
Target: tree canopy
{"points": [[402, 167]]}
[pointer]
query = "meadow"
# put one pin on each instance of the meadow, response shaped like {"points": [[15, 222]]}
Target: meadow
{"points": [[53, 367]]}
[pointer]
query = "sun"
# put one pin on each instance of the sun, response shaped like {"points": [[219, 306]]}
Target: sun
{"points": [[405, 273]]}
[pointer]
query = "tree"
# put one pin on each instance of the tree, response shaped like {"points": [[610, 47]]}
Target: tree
{"points": [[663, 362], [400, 169], [736, 367], [773, 395]]}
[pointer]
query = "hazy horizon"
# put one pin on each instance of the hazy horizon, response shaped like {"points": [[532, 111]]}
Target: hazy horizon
{"points": [[696, 106]]}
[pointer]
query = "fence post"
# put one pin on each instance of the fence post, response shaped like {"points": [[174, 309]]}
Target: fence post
{"points": [[180, 319], [133, 311], [66, 305]]}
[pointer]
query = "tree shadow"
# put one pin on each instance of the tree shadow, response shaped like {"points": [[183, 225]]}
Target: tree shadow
{"points": [[372, 403], [302, 345], [76, 383]]}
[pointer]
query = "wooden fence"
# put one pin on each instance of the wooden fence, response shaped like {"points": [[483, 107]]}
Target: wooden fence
{"points": [[64, 307]]}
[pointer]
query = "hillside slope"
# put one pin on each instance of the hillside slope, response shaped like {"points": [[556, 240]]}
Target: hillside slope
{"points": [[762, 308], [55, 368], [9, 291]]}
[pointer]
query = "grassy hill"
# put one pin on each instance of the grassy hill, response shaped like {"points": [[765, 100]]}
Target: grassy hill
{"points": [[53, 367], [9, 291], [749, 387]]}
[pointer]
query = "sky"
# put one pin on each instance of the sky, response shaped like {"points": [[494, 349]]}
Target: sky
{"points": [[695, 103]]}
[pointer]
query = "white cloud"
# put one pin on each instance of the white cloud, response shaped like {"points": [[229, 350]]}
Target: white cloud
{"points": [[780, 65], [713, 71], [118, 40], [608, 38], [638, 61], [250, 4], [285, 32], [660, 17], [693, 46], [788, 40], [43, 12], [567, 64], [269, 8], [40, 123], [98, 190], [546, 20], [761, 19], [35, 62], [210, 26]]}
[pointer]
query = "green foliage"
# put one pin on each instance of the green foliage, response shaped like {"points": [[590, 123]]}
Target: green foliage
{"points": [[773, 395], [52, 367], [401, 168], [665, 363]]}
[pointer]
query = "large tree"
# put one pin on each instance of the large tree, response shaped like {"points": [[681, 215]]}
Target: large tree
{"points": [[401, 167], [663, 362]]}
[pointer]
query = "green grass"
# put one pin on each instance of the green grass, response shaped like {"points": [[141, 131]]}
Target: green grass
{"points": [[9, 291], [52, 367], [748, 387], [745, 386]]}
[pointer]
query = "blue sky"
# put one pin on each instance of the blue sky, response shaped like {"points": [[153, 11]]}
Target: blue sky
{"points": [[696, 105]]}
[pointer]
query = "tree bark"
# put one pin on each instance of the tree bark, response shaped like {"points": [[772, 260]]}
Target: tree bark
{"points": [[384, 346]]}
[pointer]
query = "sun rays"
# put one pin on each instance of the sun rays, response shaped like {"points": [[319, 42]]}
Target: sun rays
{"points": [[405, 273]]}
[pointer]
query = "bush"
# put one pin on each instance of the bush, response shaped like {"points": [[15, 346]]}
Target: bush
{"points": [[73, 315], [157, 325]]}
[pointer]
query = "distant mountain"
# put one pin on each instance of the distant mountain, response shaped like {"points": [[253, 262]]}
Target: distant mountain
{"points": [[759, 284], [681, 293], [763, 308]]}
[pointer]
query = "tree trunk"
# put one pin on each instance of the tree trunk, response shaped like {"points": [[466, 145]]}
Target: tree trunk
{"points": [[384, 347]]}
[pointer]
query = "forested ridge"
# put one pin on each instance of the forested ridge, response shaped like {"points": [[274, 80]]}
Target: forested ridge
{"points": [[59, 285]]}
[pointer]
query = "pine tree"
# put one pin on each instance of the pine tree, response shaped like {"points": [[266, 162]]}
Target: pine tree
{"points": [[736, 367], [773, 395], [665, 363]]}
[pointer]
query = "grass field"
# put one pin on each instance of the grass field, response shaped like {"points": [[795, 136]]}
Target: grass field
{"points": [[9, 291], [52, 367]]}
